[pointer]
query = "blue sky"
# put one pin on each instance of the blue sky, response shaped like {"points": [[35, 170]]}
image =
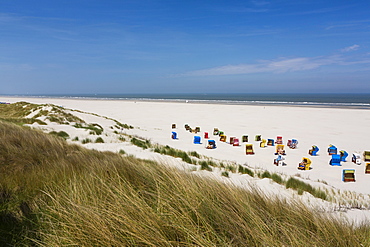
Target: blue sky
{"points": [[90, 46]]}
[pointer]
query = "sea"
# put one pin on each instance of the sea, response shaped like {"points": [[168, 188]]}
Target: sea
{"points": [[339, 100]]}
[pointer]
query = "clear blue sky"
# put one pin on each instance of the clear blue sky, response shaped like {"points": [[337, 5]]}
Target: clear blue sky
{"points": [[172, 46]]}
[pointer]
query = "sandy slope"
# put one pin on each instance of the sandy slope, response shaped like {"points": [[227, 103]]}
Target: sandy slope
{"points": [[345, 128]]}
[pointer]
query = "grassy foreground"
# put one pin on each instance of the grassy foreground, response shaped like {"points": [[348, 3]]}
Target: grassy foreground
{"points": [[56, 194]]}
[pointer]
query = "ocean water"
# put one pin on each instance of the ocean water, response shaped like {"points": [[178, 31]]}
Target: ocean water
{"points": [[318, 99]]}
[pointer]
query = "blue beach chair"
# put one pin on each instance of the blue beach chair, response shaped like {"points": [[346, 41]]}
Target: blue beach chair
{"points": [[332, 150], [343, 155], [313, 151], [197, 140], [335, 160]]}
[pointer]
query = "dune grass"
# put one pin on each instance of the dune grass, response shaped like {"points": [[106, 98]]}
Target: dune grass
{"points": [[55, 194]]}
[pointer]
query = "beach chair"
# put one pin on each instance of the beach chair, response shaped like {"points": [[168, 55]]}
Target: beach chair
{"points": [[236, 142], [245, 138], [356, 158], [348, 175], [263, 143], [293, 144], [332, 149], [289, 143], [258, 138], [279, 140], [187, 127], [270, 142], [313, 151], [305, 164], [343, 155], [335, 160], [173, 126], [221, 133], [280, 149], [222, 138], [215, 131], [366, 155], [197, 140], [174, 135], [211, 144], [232, 138], [206, 135], [197, 129], [279, 161], [249, 149], [367, 168]]}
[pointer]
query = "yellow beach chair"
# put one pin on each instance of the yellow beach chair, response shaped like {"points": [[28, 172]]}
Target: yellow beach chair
{"points": [[249, 149], [263, 143], [305, 164], [366, 155]]}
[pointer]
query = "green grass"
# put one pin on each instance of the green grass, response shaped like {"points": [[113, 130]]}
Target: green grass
{"points": [[86, 140], [99, 140], [167, 150], [245, 170], [277, 178], [205, 166], [95, 129], [61, 133], [55, 194], [144, 144], [301, 186], [225, 174]]}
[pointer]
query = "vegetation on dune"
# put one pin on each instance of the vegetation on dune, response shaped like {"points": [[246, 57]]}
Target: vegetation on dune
{"points": [[17, 113], [95, 129], [55, 194]]}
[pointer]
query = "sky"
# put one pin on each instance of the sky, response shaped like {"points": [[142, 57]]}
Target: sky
{"points": [[173, 46]]}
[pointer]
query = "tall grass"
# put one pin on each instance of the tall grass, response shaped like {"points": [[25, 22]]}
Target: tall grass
{"points": [[55, 194]]}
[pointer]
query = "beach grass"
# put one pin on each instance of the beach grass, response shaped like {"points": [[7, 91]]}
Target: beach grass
{"points": [[56, 194]]}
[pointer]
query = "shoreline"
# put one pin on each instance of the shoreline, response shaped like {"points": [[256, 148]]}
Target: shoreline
{"points": [[359, 106]]}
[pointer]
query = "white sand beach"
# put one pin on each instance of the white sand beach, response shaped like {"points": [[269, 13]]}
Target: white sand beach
{"points": [[347, 129]]}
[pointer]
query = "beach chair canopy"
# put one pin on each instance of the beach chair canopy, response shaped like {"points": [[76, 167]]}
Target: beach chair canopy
{"points": [[280, 149], [236, 142], [279, 160], [356, 158], [293, 144], [367, 168], [367, 155], [270, 142], [313, 151], [222, 138], [197, 140], [244, 138], [211, 144], [335, 160], [279, 140], [263, 143], [173, 126], [343, 155], [205, 135], [332, 150], [174, 135], [348, 175], [305, 164], [232, 138], [257, 138], [215, 131], [249, 149]]}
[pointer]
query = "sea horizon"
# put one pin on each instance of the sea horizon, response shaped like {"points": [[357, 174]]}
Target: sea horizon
{"points": [[346, 100]]}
